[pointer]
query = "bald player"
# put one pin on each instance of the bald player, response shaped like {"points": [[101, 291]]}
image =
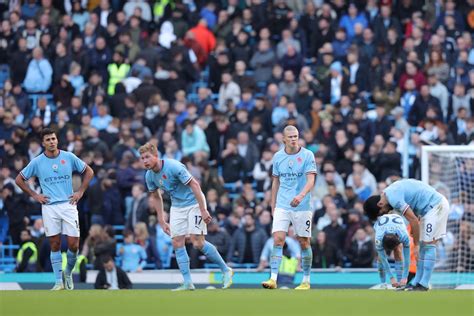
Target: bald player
{"points": [[294, 175]]}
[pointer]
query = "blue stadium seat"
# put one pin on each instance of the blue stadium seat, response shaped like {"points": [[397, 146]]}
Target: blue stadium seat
{"points": [[4, 74]]}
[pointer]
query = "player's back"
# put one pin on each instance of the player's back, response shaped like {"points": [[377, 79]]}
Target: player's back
{"points": [[391, 224], [420, 196]]}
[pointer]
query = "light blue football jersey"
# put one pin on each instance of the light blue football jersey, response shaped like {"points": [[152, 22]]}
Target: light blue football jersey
{"points": [[392, 224], [418, 195], [173, 179], [292, 170], [55, 174]]}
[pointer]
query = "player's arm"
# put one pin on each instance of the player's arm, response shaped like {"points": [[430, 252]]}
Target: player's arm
{"points": [[310, 180], [21, 182], [196, 188], [386, 266], [156, 203], [88, 175], [415, 228], [275, 186]]}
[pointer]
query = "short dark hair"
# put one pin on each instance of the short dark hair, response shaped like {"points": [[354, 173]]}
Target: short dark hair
{"points": [[370, 207], [106, 259], [390, 242], [47, 131]]}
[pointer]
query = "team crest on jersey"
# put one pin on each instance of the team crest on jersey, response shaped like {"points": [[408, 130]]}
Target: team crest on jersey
{"points": [[55, 168], [290, 164]]}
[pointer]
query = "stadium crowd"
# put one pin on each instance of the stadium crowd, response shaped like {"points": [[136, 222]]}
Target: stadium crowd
{"points": [[212, 84]]}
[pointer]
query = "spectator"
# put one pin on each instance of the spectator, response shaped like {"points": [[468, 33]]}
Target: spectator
{"points": [[27, 256], [39, 74], [229, 91], [111, 277], [361, 252], [204, 37], [326, 254], [247, 243], [139, 209], [218, 237], [132, 256], [262, 61], [193, 140]]}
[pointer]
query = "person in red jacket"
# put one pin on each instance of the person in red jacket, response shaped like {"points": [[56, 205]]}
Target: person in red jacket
{"points": [[204, 37]]}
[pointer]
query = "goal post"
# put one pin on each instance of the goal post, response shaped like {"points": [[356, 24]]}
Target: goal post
{"points": [[450, 170]]}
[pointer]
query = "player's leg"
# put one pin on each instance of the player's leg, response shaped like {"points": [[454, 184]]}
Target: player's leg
{"points": [[53, 227], [281, 222], [179, 229], [210, 251], [70, 227], [302, 222], [433, 229], [182, 259]]}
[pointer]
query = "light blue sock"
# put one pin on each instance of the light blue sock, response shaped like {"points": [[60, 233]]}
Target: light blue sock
{"points": [[183, 263], [57, 263], [399, 270], [210, 251], [275, 261], [71, 261], [419, 267], [306, 263], [428, 264]]}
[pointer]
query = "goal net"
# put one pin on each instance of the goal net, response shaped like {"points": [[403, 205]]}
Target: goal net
{"points": [[450, 170]]}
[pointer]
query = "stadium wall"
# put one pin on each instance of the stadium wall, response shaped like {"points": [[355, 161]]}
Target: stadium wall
{"points": [[347, 278]]}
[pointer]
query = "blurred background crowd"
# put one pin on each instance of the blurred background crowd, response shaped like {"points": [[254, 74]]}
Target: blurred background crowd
{"points": [[212, 84]]}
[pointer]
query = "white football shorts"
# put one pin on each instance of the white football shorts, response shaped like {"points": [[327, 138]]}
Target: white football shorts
{"points": [[433, 224], [187, 221], [60, 218], [302, 222]]}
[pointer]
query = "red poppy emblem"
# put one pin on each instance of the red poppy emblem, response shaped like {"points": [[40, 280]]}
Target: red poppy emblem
{"points": [[63, 162], [164, 176], [299, 159]]}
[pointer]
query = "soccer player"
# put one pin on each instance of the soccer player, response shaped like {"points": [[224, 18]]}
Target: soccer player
{"points": [[294, 175], [390, 232], [413, 199], [188, 214], [54, 169]]}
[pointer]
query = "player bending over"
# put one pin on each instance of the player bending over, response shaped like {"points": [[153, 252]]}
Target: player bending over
{"points": [[54, 169], [188, 214], [413, 199], [390, 232], [294, 175]]}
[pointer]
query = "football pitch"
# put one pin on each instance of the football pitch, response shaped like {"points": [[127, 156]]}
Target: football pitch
{"points": [[237, 302]]}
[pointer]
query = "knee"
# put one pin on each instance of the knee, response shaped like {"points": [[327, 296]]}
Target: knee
{"points": [[304, 243], [55, 246], [73, 248], [278, 241], [178, 243], [198, 243]]}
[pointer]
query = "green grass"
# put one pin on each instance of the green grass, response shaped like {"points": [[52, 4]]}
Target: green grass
{"points": [[236, 302]]}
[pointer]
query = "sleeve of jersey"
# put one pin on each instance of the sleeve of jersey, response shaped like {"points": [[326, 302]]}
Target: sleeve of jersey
{"points": [[385, 264], [183, 174], [29, 171], [397, 200], [275, 171], [310, 164], [149, 182], [78, 164]]}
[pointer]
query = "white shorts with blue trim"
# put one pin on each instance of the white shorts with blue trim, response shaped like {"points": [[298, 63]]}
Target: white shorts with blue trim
{"points": [[187, 221], [302, 221], [62, 218], [433, 225]]}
